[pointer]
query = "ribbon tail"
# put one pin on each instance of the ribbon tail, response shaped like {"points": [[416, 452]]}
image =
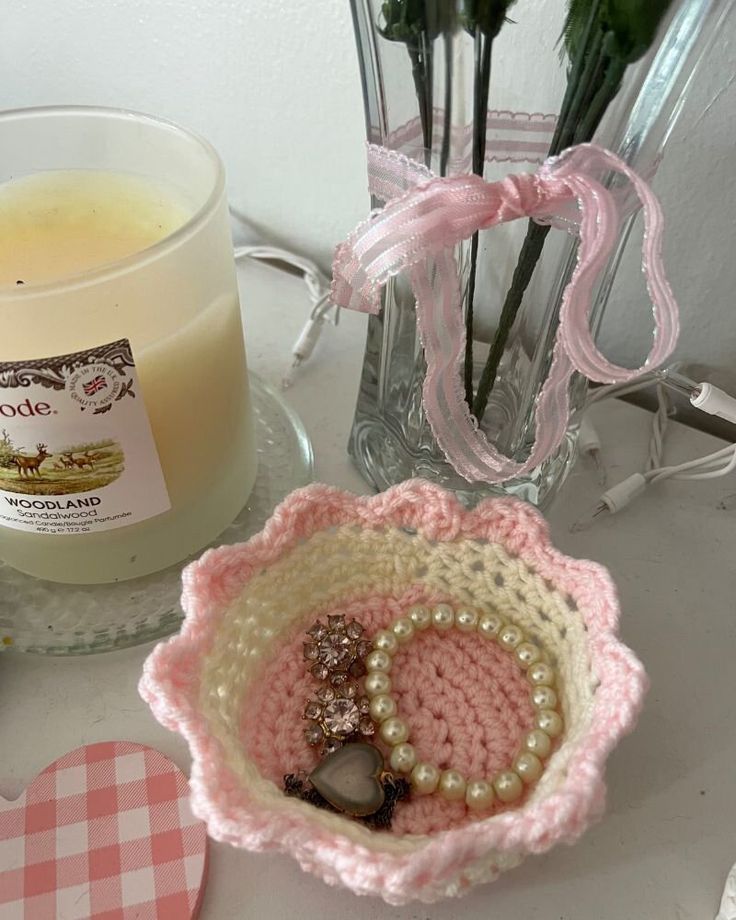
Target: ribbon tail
{"points": [[598, 234], [442, 332]]}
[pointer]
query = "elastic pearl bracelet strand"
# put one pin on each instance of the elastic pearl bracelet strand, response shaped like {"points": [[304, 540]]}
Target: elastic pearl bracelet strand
{"points": [[426, 778]]}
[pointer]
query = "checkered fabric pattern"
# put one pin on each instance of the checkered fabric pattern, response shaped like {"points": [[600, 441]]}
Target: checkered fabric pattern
{"points": [[105, 832]]}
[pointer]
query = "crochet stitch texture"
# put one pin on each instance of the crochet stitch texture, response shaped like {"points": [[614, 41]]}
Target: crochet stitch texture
{"points": [[233, 682]]}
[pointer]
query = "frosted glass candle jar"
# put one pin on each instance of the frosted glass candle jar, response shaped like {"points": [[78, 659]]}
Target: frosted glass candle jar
{"points": [[126, 437]]}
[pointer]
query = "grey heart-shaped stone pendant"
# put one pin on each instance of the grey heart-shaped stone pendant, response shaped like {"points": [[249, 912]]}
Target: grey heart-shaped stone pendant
{"points": [[349, 779]]}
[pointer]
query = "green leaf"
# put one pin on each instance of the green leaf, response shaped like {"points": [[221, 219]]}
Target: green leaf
{"points": [[628, 26], [486, 15], [576, 24], [632, 25], [402, 20], [408, 20]]}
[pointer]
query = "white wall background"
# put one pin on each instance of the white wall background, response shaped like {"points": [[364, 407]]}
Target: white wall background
{"points": [[275, 86]]}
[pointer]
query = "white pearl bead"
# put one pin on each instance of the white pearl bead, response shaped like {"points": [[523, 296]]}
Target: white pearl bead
{"points": [[394, 731], [403, 758], [528, 766], [424, 778], [452, 785], [508, 786], [490, 624], [466, 619], [544, 698], [541, 674], [403, 629], [443, 617], [510, 636], [550, 722], [386, 641], [378, 660], [538, 742], [527, 654], [420, 617], [377, 682], [479, 794], [382, 708]]}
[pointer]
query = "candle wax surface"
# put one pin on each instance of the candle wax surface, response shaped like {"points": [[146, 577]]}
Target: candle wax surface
{"points": [[61, 223]]}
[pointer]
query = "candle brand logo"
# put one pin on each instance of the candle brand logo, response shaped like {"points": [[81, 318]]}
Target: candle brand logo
{"points": [[25, 409]]}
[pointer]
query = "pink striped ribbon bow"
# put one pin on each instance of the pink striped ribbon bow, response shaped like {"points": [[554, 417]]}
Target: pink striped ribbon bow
{"points": [[426, 217]]}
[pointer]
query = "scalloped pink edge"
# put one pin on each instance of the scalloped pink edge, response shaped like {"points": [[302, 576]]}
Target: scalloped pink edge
{"points": [[170, 685]]}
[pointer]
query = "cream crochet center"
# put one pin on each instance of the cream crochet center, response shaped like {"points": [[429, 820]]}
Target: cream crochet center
{"points": [[385, 570]]}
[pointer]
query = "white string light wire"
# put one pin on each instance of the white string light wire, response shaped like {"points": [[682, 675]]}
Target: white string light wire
{"points": [[318, 286], [703, 396]]}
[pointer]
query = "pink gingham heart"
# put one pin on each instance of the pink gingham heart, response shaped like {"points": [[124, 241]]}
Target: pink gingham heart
{"points": [[105, 832]]}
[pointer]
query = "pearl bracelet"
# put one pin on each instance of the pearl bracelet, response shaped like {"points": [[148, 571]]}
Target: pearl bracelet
{"points": [[426, 778]]}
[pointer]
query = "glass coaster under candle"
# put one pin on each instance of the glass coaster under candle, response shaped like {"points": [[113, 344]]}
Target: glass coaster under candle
{"points": [[46, 617]]}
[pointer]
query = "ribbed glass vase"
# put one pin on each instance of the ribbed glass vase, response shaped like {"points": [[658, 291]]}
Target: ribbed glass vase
{"points": [[423, 95]]}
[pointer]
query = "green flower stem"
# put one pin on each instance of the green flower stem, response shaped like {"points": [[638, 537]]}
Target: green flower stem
{"points": [[421, 71], [481, 88], [447, 128], [600, 101], [588, 81], [531, 250]]}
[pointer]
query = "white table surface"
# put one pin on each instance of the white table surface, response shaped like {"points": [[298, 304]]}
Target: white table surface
{"points": [[665, 845]]}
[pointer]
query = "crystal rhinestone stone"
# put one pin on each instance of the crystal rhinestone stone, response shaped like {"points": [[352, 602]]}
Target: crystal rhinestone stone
{"points": [[311, 651], [318, 631], [312, 710], [364, 704], [354, 629], [332, 744], [364, 647], [341, 717], [367, 727], [326, 694], [357, 668], [314, 734], [339, 678], [334, 655], [349, 689], [336, 622], [319, 670]]}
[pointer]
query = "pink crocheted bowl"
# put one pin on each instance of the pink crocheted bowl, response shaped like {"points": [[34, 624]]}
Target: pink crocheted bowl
{"points": [[234, 685]]}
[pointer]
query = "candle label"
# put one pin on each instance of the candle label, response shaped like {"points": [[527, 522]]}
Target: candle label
{"points": [[77, 454]]}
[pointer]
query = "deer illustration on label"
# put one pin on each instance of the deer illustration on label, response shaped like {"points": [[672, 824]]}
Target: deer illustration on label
{"points": [[83, 462], [30, 465], [69, 468]]}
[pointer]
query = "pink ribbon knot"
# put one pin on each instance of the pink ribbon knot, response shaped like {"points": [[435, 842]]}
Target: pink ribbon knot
{"points": [[417, 231]]}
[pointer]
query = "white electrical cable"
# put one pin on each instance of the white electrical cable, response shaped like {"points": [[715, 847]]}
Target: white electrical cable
{"points": [[315, 279], [704, 464], [620, 389], [660, 421], [318, 286], [710, 399], [589, 445], [703, 396]]}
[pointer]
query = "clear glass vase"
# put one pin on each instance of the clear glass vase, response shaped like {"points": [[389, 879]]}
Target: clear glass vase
{"points": [[423, 96]]}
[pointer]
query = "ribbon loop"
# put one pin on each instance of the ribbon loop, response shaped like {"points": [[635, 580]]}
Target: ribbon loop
{"points": [[426, 217]]}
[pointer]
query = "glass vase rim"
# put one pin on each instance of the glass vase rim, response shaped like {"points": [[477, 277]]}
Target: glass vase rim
{"points": [[155, 251]]}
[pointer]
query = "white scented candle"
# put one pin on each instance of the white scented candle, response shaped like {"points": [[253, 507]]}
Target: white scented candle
{"points": [[126, 437]]}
